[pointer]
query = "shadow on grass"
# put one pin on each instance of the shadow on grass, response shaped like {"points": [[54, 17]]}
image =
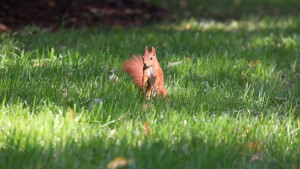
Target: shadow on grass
{"points": [[192, 152]]}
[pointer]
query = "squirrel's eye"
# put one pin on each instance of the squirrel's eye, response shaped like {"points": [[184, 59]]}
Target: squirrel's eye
{"points": [[151, 58]]}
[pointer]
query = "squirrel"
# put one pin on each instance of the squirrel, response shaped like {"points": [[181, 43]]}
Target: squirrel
{"points": [[147, 73]]}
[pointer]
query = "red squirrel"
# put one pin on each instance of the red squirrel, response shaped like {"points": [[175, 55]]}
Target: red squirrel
{"points": [[147, 73]]}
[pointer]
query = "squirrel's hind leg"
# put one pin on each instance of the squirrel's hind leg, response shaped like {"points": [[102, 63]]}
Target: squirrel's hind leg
{"points": [[148, 92]]}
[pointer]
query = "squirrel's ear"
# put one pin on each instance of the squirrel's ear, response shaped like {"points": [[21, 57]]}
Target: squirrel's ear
{"points": [[146, 49], [153, 50]]}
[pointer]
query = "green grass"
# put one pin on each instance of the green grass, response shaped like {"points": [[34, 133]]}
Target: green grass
{"points": [[237, 85]]}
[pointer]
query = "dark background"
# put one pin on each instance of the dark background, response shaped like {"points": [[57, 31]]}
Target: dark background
{"points": [[56, 14]]}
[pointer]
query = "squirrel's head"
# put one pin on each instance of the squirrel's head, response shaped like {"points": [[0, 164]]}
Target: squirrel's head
{"points": [[149, 57]]}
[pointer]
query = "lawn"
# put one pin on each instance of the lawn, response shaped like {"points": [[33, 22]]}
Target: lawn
{"points": [[233, 89]]}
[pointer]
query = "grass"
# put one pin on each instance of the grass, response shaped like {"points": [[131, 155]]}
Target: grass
{"points": [[235, 96]]}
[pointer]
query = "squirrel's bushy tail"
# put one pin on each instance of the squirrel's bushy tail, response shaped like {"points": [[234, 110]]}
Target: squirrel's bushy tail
{"points": [[134, 66]]}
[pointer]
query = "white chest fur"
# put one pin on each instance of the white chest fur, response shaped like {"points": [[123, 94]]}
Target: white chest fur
{"points": [[151, 76], [150, 73]]}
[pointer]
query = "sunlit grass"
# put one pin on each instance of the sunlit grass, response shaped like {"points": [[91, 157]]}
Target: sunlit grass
{"points": [[233, 95], [247, 24]]}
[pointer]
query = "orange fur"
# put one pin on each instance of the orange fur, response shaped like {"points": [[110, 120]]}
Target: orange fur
{"points": [[134, 66], [147, 73]]}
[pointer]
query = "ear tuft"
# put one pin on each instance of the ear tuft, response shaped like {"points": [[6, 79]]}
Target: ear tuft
{"points": [[153, 51], [146, 49]]}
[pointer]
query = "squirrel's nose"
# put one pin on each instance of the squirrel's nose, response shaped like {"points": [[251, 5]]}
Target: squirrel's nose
{"points": [[145, 65]]}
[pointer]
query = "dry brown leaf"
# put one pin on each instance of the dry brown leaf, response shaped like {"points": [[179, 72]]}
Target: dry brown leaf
{"points": [[187, 26], [147, 106], [254, 62], [251, 64], [248, 129], [4, 28], [72, 113], [147, 129], [119, 162], [257, 61], [255, 146], [39, 64]]}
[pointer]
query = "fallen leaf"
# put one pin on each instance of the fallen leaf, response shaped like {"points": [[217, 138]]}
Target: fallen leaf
{"points": [[248, 129], [172, 64], [4, 28], [119, 162], [254, 62], [39, 64], [147, 129], [147, 106], [279, 98], [113, 77], [72, 113], [187, 26], [112, 133], [257, 61]]}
